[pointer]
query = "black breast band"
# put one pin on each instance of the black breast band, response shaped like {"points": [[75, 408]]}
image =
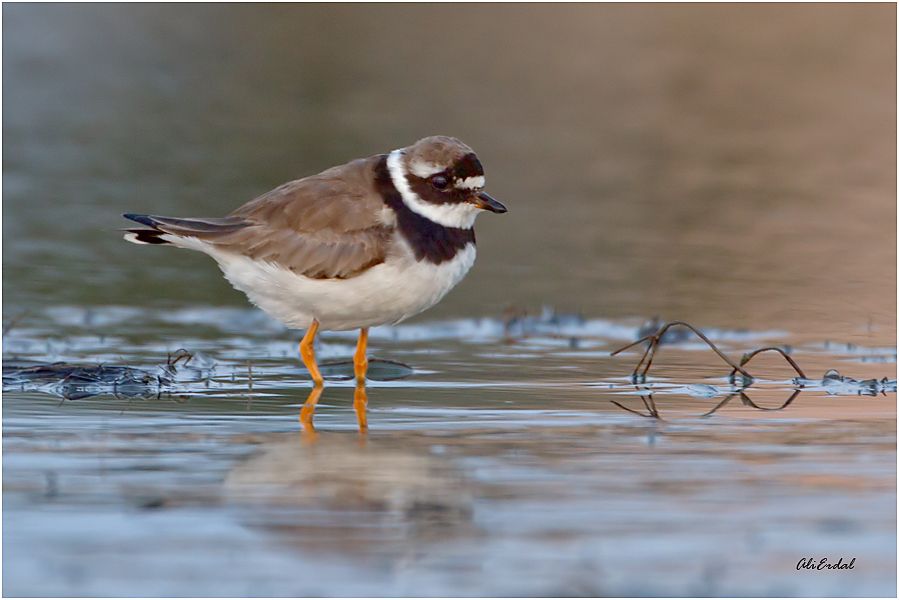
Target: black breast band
{"points": [[429, 240]]}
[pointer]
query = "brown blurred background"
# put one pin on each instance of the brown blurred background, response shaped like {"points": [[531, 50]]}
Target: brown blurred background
{"points": [[732, 165]]}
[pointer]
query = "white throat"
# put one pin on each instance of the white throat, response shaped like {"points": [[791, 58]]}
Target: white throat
{"points": [[460, 215]]}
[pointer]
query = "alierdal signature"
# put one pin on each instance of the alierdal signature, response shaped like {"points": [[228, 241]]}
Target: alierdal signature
{"points": [[811, 564]]}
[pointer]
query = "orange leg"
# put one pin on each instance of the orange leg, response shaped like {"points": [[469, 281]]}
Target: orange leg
{"points": [[307, 353], [360, 403], [360, 360]]}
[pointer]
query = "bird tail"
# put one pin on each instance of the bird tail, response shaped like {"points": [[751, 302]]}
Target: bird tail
{"points": [[169, 230]]}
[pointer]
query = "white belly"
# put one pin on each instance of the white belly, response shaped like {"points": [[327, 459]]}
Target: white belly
{"points": [[384, 294]]}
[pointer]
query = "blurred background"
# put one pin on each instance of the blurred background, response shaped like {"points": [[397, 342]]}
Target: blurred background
{"points": [[729, 165]]}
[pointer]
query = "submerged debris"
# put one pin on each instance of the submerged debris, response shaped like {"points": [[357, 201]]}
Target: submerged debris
{"points": [[835, 384], [74, 381], [519, 323], [77, 381]]}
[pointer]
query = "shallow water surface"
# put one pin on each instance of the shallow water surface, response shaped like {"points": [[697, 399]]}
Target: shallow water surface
{"points": [[732, 166], [499, 466]]}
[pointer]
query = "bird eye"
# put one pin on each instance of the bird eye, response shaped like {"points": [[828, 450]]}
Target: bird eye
{"points": [[439, 181]]}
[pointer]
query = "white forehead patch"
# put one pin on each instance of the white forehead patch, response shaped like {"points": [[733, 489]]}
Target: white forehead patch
{"points": [[471, 183], [424, 169]]}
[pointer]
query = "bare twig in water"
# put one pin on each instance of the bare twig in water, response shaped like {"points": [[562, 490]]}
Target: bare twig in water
{"points": [[656, 338], [748, 357]]}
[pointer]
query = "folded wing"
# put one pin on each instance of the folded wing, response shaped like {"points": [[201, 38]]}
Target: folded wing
{"points": [[326, 226]]}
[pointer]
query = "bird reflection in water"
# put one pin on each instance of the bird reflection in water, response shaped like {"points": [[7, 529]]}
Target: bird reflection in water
{"points": [[395, 496], [377, 370], [360, 405]]}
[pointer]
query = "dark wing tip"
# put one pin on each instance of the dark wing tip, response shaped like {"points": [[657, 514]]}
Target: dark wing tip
{"points": [[142, 219]]}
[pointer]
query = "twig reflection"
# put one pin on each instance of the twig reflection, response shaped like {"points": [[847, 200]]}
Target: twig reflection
{"points": [[652, 411], [747, 401]]}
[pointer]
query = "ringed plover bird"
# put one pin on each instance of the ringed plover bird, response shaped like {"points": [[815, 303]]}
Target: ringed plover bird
{"points": [[371, 242]]}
